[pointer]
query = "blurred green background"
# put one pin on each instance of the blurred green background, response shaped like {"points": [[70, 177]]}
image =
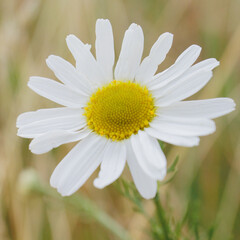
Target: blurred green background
{"points": [[206, 188]]}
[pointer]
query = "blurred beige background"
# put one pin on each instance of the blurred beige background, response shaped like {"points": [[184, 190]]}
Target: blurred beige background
{"points": [[207, 184]]}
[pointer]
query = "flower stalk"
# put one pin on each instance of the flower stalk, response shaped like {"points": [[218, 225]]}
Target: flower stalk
{"points": [[162, 218]]}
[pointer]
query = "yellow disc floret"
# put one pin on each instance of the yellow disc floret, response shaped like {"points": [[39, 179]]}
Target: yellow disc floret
{"points": [[119, 110]]}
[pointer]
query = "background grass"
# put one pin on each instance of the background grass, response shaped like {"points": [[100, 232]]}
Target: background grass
{"points": [[206, 189]]}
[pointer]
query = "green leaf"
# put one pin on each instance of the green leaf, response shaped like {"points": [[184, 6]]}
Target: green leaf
{"points": [[173, 166]]}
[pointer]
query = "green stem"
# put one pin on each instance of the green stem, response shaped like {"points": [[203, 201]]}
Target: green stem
{"points": [[161, 217], [83, 205]]}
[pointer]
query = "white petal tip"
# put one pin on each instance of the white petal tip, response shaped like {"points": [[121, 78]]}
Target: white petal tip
{"points": [[195, 46], [51, 58], [70, 37], [232, 103], [19, 121], [53, 182], [101, 20], [148, 196], [64, 194], [197, 142], [54, 179], [213, 64], [31, 81], [168, 34], [163, 174], [134, 26], [20, 133], [38, 151], [98, 183]]}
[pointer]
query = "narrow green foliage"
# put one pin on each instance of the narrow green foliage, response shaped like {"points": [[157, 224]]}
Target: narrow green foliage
{"points": [[162, 144], [173, 166], [162, 219], [211, 232], [172, 169], [13, 76], [45, 233], [128, 190]]}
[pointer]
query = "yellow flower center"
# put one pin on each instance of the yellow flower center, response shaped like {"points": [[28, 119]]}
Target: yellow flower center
{"points": [[119, 110]]}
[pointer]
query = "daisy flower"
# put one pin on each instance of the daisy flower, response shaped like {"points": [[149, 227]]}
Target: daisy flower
{"points": [[118, 113]]}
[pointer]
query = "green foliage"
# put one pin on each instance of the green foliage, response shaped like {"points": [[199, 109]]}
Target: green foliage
{"points": [[173, 166], [160, 226], [172, 171], [128, 190], [14, 74]]}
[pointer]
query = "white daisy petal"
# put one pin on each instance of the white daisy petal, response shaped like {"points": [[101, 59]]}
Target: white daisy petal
{"points": [[113, 163], [148, 165], [131, 53], [205, 65], [182, 88], [46, 142], [153, 152], [157, 55], [146, 185], [47, 113], [208, 108], [86, 63], [36, 128], [183, 62], [184, 126], [56, 92], [105, 47], [68, 75], [173, 139], [72, 172]]}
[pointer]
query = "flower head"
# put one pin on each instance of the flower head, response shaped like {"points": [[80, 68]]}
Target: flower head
{"points": [[119, 117]]}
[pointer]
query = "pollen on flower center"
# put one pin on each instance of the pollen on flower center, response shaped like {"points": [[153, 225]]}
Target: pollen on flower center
{"points": [[119, 110]]}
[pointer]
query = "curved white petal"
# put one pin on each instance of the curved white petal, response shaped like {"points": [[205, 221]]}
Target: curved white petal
{"points": [[153, 152], [181, 89], [34, 129], [208, 108], [146, 185], [173, 139], [183, 126], [85, 61], [46, 142], [131, 53], [105, 47], [205, 65], [47, 113], [68, 75], [183, 62], [157, 55], [148, 165], [56, 92], [113, 163], [77, 166]]}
